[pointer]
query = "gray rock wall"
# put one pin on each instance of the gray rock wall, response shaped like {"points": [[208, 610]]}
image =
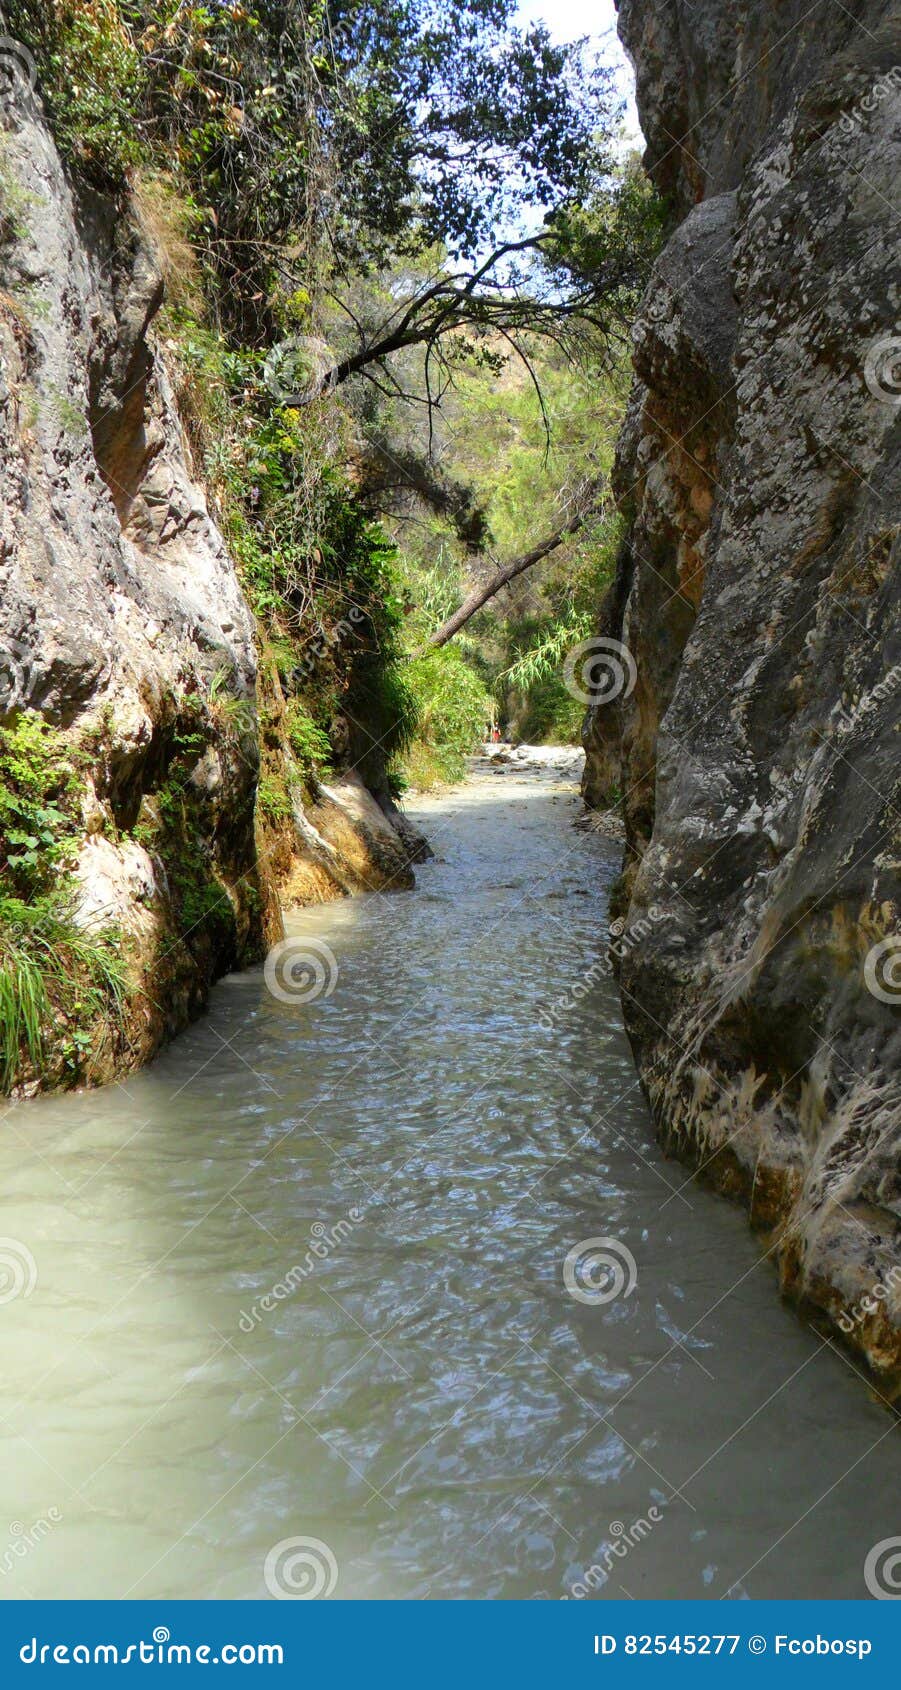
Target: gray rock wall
{"points": [[118, 599], [756, 756], [122, 620]]}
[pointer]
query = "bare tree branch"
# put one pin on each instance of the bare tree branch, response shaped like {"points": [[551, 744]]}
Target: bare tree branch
{"points": [[482, 301], [509, 571]]}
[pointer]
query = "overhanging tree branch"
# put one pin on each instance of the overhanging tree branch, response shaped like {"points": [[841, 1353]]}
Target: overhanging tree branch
{"points": [[509, 571], [487, 301]]}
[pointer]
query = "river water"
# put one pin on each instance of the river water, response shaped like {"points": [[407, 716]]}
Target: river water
{"points": [[410, 1158]]}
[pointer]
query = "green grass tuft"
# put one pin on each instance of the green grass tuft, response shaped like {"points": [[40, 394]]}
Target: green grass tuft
{"points": [[51, 971]]}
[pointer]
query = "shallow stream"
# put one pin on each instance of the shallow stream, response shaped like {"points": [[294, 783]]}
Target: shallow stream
{"points": [[401, 1167]]}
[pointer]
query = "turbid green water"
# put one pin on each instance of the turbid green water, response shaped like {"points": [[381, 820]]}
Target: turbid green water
{"points": [[427, 1399]]}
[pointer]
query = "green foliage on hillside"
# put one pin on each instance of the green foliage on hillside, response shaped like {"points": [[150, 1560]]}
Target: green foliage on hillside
{"points": [[303, 165], [522, 458], [91, 79], [453, 707]]}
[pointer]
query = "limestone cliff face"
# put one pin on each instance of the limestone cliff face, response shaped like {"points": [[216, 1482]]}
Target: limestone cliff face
{"points": [[122, 620], [756, 755]]}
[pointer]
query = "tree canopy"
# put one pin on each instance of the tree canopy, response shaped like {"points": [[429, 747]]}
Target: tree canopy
{"points": [[369, 213]]}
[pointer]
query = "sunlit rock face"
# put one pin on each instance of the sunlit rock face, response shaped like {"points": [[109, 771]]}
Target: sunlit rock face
{"points": [[122, 618], [756, 755], [118, 599]]}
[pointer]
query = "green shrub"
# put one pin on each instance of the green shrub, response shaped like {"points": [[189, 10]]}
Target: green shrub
{"points": [[532, 686], [90, 79], [39, 817], [452, 707], [172, 827], [383, 713], [308, 741], [273, 800], [546, 713]]}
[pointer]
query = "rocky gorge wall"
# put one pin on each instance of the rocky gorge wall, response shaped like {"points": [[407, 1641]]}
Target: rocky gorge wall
{"points": [[124, 628], [754, 745]]}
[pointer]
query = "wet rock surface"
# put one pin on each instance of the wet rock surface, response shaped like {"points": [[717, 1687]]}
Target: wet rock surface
{"points": [[755, 758]]}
